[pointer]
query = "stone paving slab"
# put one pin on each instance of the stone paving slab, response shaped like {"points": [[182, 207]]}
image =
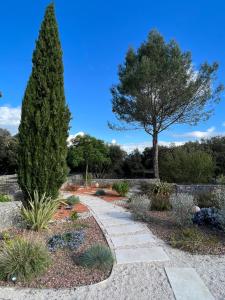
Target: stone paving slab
{"points": [[125, 229], [187, 284], [140, 254], [132, 240], [113, 214], [112, 222]]}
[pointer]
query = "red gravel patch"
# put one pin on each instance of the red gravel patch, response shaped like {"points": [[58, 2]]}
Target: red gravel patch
{"points": [[63, 213]]}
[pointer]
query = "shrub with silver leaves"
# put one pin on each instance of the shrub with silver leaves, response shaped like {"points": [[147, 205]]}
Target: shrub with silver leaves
{"points": [[182, 209], [140, 203], [220, 198]]}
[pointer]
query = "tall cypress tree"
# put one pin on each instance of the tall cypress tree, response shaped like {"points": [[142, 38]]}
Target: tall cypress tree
{"points": [[43, 130]]}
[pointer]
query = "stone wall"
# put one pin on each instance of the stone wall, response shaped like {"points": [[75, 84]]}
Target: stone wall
{"points": [[9, 185], [75, 179], [197, 188]]}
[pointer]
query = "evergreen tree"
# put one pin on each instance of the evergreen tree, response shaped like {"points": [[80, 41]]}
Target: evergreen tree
{"points": [[159, 87], [43, 130]]}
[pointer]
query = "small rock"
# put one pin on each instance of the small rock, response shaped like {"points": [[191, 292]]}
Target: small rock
{"points": [[196, 209]]}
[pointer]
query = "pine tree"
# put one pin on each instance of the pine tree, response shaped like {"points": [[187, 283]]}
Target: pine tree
{"points": [[43, 130]]}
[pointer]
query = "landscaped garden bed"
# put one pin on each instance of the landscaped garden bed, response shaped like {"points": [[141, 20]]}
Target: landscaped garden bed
{"points": [[198, 240], [193, 224], [64, 271]]}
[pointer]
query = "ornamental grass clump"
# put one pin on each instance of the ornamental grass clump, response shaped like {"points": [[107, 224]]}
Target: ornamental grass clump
{"points": [[121, 188], [182, 209], [23, 259], [160, 196], [72, 200], [97, 256], [39, 211]]}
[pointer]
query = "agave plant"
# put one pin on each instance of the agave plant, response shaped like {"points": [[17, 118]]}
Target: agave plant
{"points": [[39, 211]]}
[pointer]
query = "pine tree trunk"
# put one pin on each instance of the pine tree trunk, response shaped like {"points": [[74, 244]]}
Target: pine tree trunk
{"points": [[86, 175], [155, 154]]}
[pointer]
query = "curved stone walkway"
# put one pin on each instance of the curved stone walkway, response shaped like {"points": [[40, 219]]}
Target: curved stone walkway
{"points": [[145, 267]]}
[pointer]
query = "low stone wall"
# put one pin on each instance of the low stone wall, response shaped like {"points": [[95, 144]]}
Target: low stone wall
{"points": [[73, 179], [195, 189], [9, 185]]}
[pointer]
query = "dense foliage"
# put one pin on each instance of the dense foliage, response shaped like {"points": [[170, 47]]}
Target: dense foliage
{"points": [[89, 154], [8, 152], [43, 130]]}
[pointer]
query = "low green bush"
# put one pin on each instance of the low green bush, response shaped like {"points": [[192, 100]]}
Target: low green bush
{"points": [[159, 193], [4, 198], [23, 259], [97, 256], [74, 216], [100, 193], [72, 200], [122, 188], [162, 188], [192, 240], [160, 202], [206, 199], [220, 179], [40, 211]]}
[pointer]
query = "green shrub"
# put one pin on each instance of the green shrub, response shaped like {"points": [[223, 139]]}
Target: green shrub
{"points": [[121, 188], [182, 209], [183, 165], [160, 202], [206, 199], [23, 259], [97, 256], [72, 200], [100, 193], [220, 179], [162, 188], [4, 198], [74, 216], [40, 211], [192, 240]]}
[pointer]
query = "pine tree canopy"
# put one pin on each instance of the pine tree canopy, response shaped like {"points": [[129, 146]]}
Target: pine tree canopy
{"points": [[43, 130]]}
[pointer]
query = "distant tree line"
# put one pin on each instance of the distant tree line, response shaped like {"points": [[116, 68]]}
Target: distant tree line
{"points": [[193, 162]]}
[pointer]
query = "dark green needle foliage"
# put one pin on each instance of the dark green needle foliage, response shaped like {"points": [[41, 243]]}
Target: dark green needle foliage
{"points": [[45, 116]]}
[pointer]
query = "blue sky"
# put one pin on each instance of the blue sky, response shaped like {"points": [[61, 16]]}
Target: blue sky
{"points": [[95, 36]]}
